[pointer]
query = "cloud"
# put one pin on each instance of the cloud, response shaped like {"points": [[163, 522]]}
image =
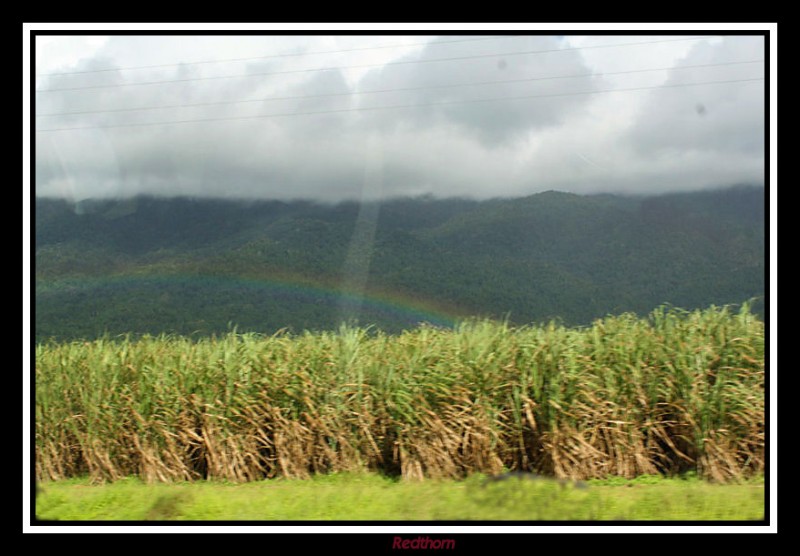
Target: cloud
{"points": [[479, 110], [283, 128], [715, 117]]}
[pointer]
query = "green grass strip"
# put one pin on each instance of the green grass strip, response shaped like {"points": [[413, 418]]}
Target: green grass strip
{"points": [[369, 497]]}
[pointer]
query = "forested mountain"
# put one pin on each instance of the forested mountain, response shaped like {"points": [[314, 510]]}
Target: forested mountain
{"points": [[149, 265]]}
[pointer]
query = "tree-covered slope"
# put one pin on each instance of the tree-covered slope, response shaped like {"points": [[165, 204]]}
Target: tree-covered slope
{"points": [[193, 265]]}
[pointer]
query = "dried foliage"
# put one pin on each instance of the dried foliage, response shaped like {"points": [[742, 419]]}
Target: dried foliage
{"points": [[673, 392]]}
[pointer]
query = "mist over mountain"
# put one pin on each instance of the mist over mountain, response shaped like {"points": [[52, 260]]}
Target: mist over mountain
{"points": [[183, 265]]}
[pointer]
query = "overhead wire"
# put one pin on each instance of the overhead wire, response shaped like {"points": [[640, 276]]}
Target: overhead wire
{"points": [[396, 89], [401, 106], [359, 66], [283, 55], [399, 89]]}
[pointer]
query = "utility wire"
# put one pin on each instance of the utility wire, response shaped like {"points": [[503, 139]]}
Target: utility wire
{"points": [[398, 62], [526, 97], [401, 89], [277, 56]]}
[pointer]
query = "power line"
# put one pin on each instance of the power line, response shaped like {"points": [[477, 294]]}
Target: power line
{"points": [[400, 106], [398, 62], [154, 66], [401, 89]]}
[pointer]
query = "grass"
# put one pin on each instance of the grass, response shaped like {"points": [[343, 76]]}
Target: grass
{"points": [[673, 392], [369, 497]]}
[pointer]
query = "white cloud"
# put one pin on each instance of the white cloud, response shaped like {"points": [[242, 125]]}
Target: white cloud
{"points": [[453, 143]]}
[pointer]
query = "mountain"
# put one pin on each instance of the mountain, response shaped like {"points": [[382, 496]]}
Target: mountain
{"points": [[181, 265]]}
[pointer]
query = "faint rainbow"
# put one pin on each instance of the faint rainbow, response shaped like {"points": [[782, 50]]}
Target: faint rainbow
{"points": [[390, 305]]}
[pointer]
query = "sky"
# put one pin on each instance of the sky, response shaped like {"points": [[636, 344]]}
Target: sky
{"points": [[362, 116]]}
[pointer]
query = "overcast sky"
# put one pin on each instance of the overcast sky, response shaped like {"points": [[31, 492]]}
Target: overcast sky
{"points": [[329, 117]]}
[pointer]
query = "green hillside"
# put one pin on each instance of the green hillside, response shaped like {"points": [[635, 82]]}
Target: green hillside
{"points": [[150, 265]]}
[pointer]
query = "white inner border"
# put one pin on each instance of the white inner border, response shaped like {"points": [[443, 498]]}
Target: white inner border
{"points": [[645, 28]]}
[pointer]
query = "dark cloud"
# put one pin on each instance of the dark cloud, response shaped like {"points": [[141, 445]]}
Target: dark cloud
{"points": [[722, 118], [516, 71]]}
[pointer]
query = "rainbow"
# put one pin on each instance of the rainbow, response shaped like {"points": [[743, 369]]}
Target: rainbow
{"points": [[393, 306]]}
